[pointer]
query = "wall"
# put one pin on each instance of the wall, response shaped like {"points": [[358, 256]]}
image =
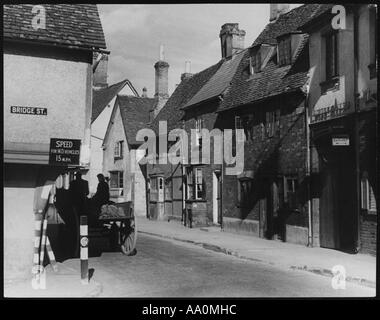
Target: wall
{"points": [[58, 85], [115, 134], [317, 100], [38, 76], [268, 159]]}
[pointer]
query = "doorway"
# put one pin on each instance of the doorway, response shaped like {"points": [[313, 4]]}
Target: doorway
{"points": [[337, 204], [216, 203]]}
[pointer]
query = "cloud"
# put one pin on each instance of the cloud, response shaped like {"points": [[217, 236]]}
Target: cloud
{"points": [[188, 31]]}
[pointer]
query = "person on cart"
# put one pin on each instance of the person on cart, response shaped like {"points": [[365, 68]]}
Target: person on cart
{"points": [[101, 197]]}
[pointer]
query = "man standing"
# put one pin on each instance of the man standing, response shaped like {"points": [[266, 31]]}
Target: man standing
{"points": [[79, 192]]}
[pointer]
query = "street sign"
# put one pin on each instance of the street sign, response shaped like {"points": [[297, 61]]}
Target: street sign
{"points": [[29, 110], [64, 152], [342, 140]]}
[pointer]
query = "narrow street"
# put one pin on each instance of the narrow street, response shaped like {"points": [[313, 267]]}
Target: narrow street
{"points": [[166, 268]]}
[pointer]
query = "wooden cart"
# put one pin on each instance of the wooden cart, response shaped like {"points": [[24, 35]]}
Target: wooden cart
{"points": [[121, 230]]}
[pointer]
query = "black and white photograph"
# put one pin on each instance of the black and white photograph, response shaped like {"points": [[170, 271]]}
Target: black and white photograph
{"points": [[189, 151]]}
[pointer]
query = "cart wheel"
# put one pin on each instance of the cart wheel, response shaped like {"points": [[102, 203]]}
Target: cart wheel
{"points": [[128, 237]]}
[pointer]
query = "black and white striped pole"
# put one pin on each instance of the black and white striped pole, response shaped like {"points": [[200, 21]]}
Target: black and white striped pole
{"points": [[83, 249]]}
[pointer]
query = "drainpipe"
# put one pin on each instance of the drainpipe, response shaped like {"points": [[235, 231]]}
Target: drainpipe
{"points": [[356, 132], [308, 171]]}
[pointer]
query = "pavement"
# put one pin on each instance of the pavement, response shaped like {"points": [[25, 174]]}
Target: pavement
{"points": [[65, 282], [359, 268]]}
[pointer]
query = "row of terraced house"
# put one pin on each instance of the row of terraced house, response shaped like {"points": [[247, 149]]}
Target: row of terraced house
{"points": [[305, 94]]}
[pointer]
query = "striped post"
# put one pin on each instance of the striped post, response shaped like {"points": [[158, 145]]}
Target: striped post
{"points": [[37, 238], [43, 241], [84, 249], [51, 256]]}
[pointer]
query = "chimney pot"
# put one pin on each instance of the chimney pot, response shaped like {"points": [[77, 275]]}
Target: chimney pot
{"points": [[144, 92], [277, 9], [187, 74]]}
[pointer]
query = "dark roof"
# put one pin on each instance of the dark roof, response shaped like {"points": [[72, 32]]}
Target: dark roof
{"points": [[218, 83], [134, 113], [172, 112], [273, 79], [76, 25], [102, 97], [287, 23]]}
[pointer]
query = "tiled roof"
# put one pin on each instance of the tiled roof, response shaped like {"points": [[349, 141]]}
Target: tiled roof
{"points": [[287, 23], [172, 112], [218, 83], [76, 25], [102, 97], [273, 79], [135, 115]]}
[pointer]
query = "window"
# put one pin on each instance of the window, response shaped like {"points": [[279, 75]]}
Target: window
{"points": [[116, 179], [272, 122], [118, 151], [255, 62], [198, 130], [284, 51], [289, 192], [368, 200], [195, 190], [331, 60], [245, 193]]}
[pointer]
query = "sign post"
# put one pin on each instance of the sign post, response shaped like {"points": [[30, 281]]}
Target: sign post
{"points": [[83, 250]]}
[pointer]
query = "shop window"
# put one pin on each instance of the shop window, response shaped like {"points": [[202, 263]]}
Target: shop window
{"points": [[116, 179], [284, 51], [195, 189], [331, 55], [245, 192], [118, 150], [368, 200]]}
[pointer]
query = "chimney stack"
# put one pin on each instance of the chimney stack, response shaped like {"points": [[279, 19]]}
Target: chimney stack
{"points": [[144, 93], [277, 9], [161, 82], [231, 39], [100, 63], [187, 74]]}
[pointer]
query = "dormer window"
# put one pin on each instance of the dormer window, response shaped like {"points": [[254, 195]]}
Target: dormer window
{"points": [[284, 51], [255, 62]]}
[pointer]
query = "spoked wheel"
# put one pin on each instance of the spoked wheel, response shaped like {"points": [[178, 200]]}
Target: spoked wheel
{"points": [[128, 237]]}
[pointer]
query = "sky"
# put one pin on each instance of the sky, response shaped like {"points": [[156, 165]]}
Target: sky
{"points": [[189, 32]]}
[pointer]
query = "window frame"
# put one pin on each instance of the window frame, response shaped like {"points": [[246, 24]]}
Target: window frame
{"points": [[366, 193], [119, 150], [331, 42], [284, 51], [194, 187], [119, 179]]}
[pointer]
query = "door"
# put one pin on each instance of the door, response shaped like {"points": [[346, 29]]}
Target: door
{"points": [[216, 204], [337, 207]]}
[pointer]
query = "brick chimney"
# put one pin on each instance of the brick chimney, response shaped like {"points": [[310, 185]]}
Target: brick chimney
{"points": [[277, 9], [100, 62], [161, 82], [231, 39], [144, 93], [187, 74]]}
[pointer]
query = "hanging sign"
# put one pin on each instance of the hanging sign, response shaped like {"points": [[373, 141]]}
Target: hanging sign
{"points": [[64, 151]]}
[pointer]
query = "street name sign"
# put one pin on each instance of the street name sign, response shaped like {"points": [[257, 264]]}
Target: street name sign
{"points": [[64, 152], [37, 111], [343, 140]]}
